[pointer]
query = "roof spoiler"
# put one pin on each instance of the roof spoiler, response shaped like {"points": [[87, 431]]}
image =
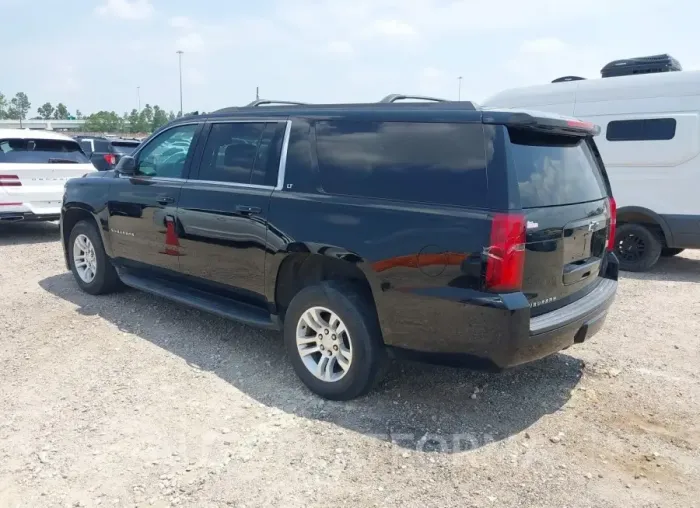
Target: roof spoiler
{"points": [[570, 126]]}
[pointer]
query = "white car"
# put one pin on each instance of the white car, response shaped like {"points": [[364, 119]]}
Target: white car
{"points": [[34, 167]]}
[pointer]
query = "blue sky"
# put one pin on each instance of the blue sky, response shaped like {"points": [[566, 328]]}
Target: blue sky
{"points": [[93, 54]]}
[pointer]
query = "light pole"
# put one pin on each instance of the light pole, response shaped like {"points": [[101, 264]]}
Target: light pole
{"points": [[138, 95], [459, 89], [179, 57]]}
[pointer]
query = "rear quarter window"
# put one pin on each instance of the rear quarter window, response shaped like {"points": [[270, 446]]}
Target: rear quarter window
{"points": [[41, 151], [124, 148], [441, 163], [554, 170]]}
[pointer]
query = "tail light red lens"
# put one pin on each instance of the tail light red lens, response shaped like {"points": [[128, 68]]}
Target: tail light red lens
{"points": [[110, 158], [613, 224], [10, 181], [506, 254]]}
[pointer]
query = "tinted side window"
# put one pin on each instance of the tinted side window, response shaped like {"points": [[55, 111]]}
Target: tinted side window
{"points": [[441, 163], [651, 129], [86, 145], [166, 154], [101, 145], [268, 160], [230, 152]]}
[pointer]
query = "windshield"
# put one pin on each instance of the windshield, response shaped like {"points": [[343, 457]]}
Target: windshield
{"points": [[124, 147], [554, 170], [41, 151]]}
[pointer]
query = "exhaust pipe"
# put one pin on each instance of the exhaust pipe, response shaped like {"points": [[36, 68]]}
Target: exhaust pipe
{"points": [[11, 218]]}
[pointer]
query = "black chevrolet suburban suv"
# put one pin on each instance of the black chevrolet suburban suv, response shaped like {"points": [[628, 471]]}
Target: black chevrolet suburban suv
{"points": [[437, 228]]}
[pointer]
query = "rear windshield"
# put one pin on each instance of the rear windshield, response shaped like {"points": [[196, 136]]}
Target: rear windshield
{"points": [[554, 170], [41, 151], [125, 148]]}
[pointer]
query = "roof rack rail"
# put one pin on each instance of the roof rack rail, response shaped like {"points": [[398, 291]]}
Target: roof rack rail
{"points": [[399, 97], [262, 102]]}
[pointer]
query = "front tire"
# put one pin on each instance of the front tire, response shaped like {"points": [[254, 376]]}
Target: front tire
{"points": [[89, 263], [333, 340], [637, 247]]}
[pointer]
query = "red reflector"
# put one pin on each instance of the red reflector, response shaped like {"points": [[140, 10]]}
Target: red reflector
{"points": [[613, 223], [506, 254], [10, 204], [10, 181], [110, 158]]}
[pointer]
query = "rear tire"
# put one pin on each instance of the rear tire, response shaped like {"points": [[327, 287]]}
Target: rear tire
{"points": [[667, 252], [637, 247], [89, 262], [339, 366]]}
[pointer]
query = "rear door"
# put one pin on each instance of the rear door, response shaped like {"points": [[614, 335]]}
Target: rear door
{"points": [[223, 208], [563, 192], [34, 171]]}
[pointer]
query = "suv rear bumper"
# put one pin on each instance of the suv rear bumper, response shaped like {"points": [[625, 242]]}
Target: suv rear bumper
{"points": [[493, 331], [561, 328]]}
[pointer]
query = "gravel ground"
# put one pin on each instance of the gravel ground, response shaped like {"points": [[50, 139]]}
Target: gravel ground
{"points": [[129, 400]]}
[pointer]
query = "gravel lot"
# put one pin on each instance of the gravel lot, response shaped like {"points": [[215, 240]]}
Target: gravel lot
{"points": [[129, 400]]}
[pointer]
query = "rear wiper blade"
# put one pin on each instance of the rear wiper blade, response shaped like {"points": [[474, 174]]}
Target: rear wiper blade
{"points": [[58, 160]]}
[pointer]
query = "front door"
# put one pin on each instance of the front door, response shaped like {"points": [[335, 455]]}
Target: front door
{"points": [[222, 211], [142, 206]]}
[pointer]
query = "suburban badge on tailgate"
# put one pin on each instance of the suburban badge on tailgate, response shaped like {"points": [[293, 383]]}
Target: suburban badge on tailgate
{"points": [[543, 302]]}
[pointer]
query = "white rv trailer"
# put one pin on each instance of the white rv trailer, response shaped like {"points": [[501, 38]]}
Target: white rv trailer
{"points": [[650, 144]]}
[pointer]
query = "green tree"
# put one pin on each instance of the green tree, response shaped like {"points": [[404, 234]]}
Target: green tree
{"points": [[45, 111], [19, 107], [3, 107], [133, 120], [145, 119], [104, 121], [171, 116], [160, 118], [78, 115], [61, 112]]}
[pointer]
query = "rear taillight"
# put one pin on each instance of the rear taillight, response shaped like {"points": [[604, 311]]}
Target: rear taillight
{"points": [[110, 158], [613, 223], [10, 181], [505, 256]]}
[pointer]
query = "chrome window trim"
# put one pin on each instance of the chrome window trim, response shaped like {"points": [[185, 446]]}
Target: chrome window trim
{"points": [[280, 172], [283, 157], [230, 184]]}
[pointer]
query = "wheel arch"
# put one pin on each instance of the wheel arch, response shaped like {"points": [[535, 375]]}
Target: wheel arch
{"points": [[72, 214], [641, 215], [307, 266]]}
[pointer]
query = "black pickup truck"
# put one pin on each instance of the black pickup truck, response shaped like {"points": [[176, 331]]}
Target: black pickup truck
{"points": [[356, 229]]}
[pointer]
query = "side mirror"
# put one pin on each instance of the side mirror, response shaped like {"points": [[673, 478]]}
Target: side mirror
{"points": [[126, 165]]}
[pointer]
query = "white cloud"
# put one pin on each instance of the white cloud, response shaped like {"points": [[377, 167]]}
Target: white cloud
{"points": [[340, 48], [181, 22], [393, 28], [193, 76], [544, 45], [190, 43], [126, 9]]}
